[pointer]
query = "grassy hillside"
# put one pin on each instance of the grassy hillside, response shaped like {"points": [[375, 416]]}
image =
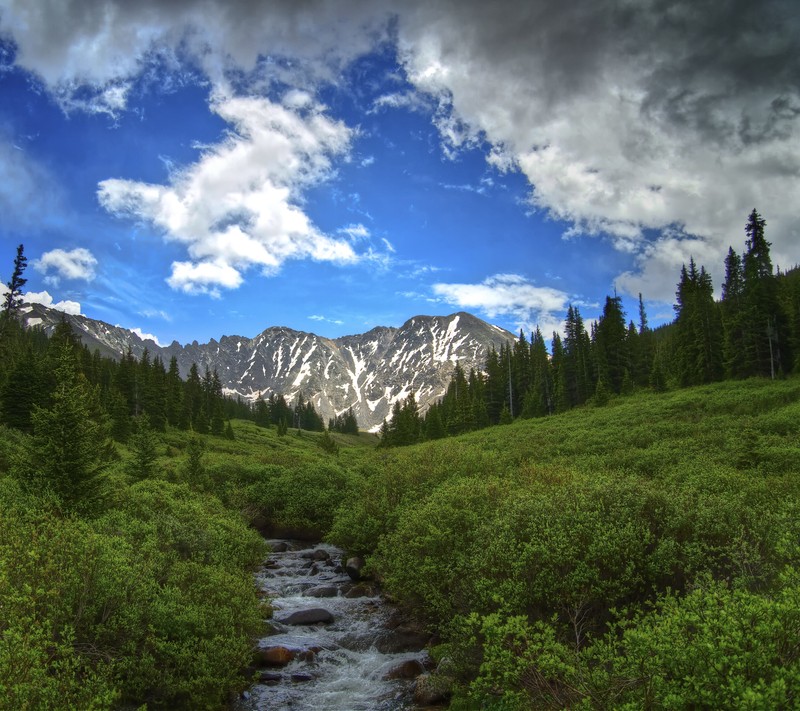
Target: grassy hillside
{"points": [[641, 554], [638, 555]]}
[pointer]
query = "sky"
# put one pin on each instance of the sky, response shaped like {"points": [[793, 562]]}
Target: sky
{"points": [[201, 168]]}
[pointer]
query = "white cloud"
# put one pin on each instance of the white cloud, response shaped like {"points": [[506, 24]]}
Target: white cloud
{"points": [[355, 231], [627, 121], [509, 295], [144, 336], [44, 298], [57, 264], [156, 313], [411, 100], [238, 206], [325, 319], [97, 47]]}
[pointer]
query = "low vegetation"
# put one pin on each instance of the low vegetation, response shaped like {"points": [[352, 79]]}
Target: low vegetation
{"points": [[638, 555], [635, 550]]}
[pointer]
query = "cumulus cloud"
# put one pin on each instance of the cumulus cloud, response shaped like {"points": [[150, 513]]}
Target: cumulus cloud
{"points": [[57, 264], [509, 295], [632, 121], [238, 205], [45, 299], [627, 118], [96, 48], [144, 336]]}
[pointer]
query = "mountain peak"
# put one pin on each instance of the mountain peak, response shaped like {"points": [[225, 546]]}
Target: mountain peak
{"points": [[367, 372]]}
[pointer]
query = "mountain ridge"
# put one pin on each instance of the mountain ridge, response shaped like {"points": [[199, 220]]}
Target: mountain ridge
{"points": [[367, 372]]}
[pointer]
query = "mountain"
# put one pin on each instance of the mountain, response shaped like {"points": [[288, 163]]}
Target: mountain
{"points": [[367, 372]]}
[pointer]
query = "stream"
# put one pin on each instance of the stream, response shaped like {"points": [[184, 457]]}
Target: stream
{"points": [[354, 658]]}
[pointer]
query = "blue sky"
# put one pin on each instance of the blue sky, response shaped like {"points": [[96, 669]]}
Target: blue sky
{"points": [[207, 168]]}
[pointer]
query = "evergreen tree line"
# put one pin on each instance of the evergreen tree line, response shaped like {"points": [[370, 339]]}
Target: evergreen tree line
{"points": [[276, 412], [345, 423], [127, 390], [130, 391], [753, 331]]}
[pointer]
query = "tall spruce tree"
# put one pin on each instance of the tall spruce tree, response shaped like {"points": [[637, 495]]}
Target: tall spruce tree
{"points": [[13, 299], [732, 309], [70, 448], [765, 339], [698, 326], [610, 345]]}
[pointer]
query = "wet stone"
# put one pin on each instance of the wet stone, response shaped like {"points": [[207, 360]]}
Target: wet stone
{"points": [[309, 617], [300, 677]]}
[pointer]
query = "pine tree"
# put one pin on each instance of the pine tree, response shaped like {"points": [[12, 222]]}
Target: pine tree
{"points": [[216, 398], [610, 345], [70, 448], [174, 393], [732, 309], [698, 328], [194, 467], [496, 384], [25, 388], [766, 341], [143, 445], [642, 349], [434, 425], [561, 401], [13, 299], [576, 360]]}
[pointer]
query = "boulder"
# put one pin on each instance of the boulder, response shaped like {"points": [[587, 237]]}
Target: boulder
{"points": [[270, 678], [432, 689], [409, 669], [308, 617], [322, 591], [354, 566], [300, 677], [362, 590], [276, 656]]}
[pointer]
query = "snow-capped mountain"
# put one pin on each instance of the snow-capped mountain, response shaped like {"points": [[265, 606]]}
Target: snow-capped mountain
{"points": [[367, 372]]}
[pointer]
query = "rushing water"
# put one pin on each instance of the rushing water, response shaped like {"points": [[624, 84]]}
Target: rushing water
{"points": [[337, 665]]}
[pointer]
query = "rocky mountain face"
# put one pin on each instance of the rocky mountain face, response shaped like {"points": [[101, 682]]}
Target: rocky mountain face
{"points": [[368, 372]]}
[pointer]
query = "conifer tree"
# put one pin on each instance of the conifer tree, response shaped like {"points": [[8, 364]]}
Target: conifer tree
{"points": [[13, 299], [610, 345], [698, 328], [70, 448], [561, 402], [174, 393], [217, 414], [576, 359], [434, 425], [732, 309], [143, 445], [496, 384], [765, 339]]}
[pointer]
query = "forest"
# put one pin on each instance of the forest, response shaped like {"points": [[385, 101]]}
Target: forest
{"points": [[613, 524]]}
